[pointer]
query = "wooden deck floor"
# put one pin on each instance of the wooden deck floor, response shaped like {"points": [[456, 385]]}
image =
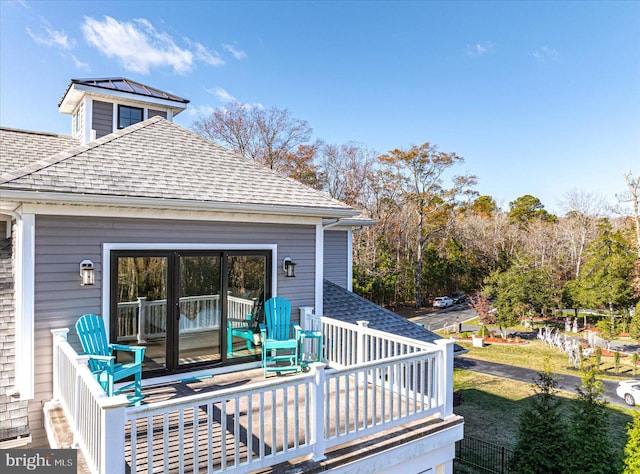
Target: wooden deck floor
{"points": [[236, 439]]}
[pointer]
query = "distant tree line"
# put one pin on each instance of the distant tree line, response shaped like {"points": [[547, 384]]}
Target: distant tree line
{"points": [[434, 235]]}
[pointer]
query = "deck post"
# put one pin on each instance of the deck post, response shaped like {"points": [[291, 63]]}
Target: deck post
{"points": [[305, 317], [59, 335], [142, 316], [361, 357], [112, 425], [445, 377], [317, 412]]}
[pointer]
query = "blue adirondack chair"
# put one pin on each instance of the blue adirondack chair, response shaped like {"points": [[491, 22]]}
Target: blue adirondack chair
{"points": [[102, 360], [279, 337]]}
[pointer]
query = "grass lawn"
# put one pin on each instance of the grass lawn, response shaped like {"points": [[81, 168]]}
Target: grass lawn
{"points": [[491, 407], [535, 353]]}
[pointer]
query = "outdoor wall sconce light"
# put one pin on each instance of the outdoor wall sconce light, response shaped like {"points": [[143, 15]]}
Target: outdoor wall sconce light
{"points": [[289, 267], [87, 273]]}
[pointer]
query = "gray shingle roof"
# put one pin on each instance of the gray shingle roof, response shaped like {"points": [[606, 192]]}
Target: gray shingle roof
{"points": [[157, 159], [20, 148], [346, 306]]}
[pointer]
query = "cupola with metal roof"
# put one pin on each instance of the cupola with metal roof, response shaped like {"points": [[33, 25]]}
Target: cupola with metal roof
{"points": [[101, 106]]}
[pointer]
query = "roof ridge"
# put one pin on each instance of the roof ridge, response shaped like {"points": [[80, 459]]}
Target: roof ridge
{"points": [[34, 132], [71, 152]]}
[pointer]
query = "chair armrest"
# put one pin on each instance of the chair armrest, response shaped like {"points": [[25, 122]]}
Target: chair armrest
{"points": [[100, 358], [139, 351], [109, 360], [123, 347]]}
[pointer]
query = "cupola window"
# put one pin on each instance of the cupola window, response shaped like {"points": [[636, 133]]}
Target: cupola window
{"points": [[128, 116]]}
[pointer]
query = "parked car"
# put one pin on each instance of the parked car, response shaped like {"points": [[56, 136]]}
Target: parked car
{"points": [[630, 391], [458, 297], [442, 302]]}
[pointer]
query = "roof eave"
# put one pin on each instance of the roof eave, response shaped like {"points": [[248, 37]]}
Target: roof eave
{"points": [[24, 196], [76, 91]]}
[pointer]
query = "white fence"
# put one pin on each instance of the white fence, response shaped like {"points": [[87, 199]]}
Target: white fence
{"points": [[379, 381], [142, 319]]}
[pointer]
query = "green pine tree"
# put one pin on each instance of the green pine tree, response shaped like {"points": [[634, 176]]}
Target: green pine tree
{"points": [[591, 451], [542, 442], [632, 449]]}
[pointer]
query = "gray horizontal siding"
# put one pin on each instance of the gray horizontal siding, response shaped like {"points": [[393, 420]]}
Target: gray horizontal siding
{"points": [[153, 113], [102, 120], [63, 242], [335, 257]]}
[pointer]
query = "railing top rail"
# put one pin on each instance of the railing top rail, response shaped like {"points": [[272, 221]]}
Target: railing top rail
{"points": [[155, 408], [89, 380], [428, 346], [382, 362]]}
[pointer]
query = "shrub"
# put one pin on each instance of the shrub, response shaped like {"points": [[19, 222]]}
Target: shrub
{"points": [[483, 331]]}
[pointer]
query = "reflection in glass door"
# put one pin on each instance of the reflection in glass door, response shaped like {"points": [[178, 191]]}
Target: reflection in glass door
{"points": [[141, 307], [246, 279], [200, 309]]}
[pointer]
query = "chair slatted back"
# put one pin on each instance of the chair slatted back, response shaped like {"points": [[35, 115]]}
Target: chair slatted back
{"points": [[93, 337], [278, 318]]}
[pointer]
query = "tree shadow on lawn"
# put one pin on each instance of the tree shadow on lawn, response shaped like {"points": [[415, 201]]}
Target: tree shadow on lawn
{"points": [[491, 408]]}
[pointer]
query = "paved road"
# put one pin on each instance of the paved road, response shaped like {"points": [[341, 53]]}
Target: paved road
{"points": [[446, 317], [566, 383]]}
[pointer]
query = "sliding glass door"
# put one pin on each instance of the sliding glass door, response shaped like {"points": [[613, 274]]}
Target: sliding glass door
{"points": [[189, 308], [246, 284], [200, 287]]}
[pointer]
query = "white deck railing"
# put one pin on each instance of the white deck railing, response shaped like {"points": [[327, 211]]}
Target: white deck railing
{"points": [[143, 318], [376, 381]]}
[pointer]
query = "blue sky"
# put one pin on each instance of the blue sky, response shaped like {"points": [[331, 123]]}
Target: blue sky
{"points": [[538, 97]]}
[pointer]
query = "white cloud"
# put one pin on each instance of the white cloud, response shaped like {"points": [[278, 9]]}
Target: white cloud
{"points": [[235, 52], [203, 54], [544, 53], [221, 94], [137, 45], [82, 66], [480, 49], [140, 47], [51, 37], [200, 111]]}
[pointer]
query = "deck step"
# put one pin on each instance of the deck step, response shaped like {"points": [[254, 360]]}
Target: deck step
{"points": [[60, 434]]}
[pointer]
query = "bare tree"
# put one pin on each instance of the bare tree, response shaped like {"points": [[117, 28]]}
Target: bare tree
{"points": [[419, 171], [582, 210], [346, 169], [269, 136], [632, 195]]}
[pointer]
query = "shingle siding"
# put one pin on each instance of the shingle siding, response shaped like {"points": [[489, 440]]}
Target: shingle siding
{"points": [[335, 256], [102, 120], [13, 413], [63, 242]]}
